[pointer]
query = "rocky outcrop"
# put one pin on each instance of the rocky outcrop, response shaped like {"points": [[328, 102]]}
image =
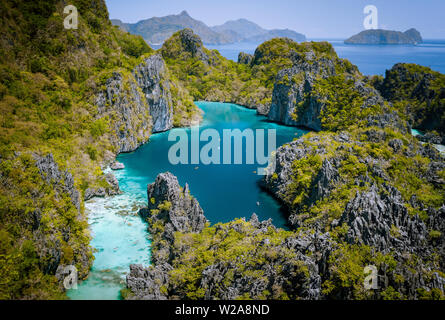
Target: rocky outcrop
{"points": [[173, 208], [151, 76], [411, 36], [111, 189], [378, 215], [124, 104], [62, 181], [117, 166], [431, 137], [49, 244], [245, 58], [293, 86], [298, 275], [181, 210], [420, 89], [192, 43], [137, 104], [295, 101]]}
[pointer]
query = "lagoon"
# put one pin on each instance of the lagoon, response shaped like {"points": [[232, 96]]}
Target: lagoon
{"points": [[225, 192]]}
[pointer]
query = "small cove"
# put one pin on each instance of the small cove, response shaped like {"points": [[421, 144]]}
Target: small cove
{"points": [[225, 192]]}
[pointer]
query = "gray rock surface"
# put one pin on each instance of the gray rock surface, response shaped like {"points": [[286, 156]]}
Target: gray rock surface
{"points": [[62, 181], [101, 192], [184, 214], [176, 210], [123, 102], [47, 243], [151, 77], [296, 103], [117, 166]]}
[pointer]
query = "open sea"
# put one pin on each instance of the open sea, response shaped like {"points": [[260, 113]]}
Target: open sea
{"points": [[370, 59]]}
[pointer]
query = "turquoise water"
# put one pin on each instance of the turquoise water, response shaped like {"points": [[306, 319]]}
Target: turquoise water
{"points": [[120, 238], [225, 192], [370, 59]]}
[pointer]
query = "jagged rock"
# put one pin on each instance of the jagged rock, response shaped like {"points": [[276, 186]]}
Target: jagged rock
{"points": [[113, 183], [117, 166], [245, 58], [101, 192], [61, 180], [146, 283], [431, 137], [151, 78], [193, 44], [124, 102], [298, 277], [293, 85], [296, 103], [48, 243], [184, 214], [382, 221], [91, 193]]}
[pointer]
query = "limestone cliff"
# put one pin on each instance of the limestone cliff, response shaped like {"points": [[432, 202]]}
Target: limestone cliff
{"points": [[151, 77]]}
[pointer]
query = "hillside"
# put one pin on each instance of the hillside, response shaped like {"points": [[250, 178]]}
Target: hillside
{"points": [[70, 101]]}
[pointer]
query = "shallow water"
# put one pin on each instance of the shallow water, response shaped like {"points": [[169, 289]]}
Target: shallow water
{"points": [[225, 192], [120, 238]]}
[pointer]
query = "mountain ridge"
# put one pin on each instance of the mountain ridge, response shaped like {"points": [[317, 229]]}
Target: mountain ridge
{"points": [[156, 30]]}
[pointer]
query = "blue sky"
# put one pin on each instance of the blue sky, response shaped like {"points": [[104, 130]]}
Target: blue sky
{"points": [[314, 18]]}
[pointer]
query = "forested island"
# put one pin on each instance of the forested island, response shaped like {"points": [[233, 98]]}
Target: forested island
{"points": [[379, 36]]}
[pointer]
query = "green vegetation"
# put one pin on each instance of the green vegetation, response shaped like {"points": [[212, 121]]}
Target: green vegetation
{"points": [[358, 158], [418, 92], [48, 79], [342, 104], [235, 247]]}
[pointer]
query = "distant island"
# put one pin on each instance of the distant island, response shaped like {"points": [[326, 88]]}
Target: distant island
{"points": [[157, 29], [379, 36]]}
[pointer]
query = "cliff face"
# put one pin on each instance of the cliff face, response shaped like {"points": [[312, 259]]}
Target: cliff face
{"points": [[411, 36], [50, 247], [151, 77], [292, 87], [138, 103], [245, 58], [170, 209], [125, 105]]}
